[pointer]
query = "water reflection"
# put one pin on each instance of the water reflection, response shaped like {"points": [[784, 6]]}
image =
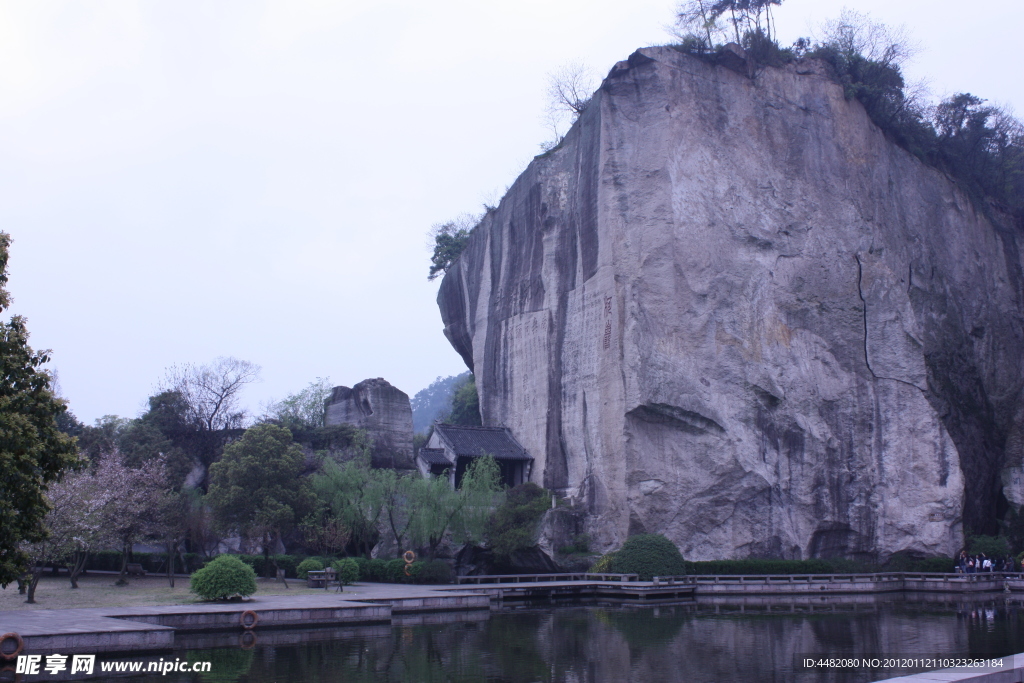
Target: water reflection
{"points": [[708, 640]]}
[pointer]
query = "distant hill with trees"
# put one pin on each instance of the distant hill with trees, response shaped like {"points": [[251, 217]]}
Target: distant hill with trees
{"points": [[430, 403]]}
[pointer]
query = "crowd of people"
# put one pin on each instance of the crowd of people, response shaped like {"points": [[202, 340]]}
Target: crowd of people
{"points": [[975, 564]]}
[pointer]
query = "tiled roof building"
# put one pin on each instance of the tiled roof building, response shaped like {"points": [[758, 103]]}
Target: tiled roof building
{"points": [[452, 447]]}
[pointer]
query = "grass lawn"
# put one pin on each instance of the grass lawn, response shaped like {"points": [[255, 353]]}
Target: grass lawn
{"points": [[98, 590]]}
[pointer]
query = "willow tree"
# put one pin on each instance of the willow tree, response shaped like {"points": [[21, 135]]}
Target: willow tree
{"points": [[33, 451], [440, 511], [351, 497]]}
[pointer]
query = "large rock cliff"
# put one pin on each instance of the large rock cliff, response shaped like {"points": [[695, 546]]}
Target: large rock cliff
{"points": [[384, 412], [729, 310]]}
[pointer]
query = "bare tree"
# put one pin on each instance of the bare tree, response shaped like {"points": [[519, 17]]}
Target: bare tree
{"points": [[707, 20], [212, 392], [856, 33], [696, 19], [570, 89]]}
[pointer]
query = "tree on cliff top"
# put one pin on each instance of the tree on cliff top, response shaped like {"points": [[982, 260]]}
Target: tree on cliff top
{"points": [[980, 146], [570, 89], [33, 450], [449, 240], [708, 19]]}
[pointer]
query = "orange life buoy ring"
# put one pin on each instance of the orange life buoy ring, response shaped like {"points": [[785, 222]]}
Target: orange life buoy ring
{"points": [[245, 616], [409, 557], [17, 650]]}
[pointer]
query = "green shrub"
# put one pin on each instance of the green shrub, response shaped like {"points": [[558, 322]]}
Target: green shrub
{"points": [[394, 571], [900, 562], [191, 561], [347, 570], [224, 577], [513, 526], [260, 565], [154, 563], [289, 563], [993, 546], [374, 570], [649, 555], [930, 565], [841, 565], [757, 566], [414, 572], [386, 571], [257, 562], [904, 562], [104, 561], [361, 563], [603, 564], [435, 571], [310, 564], [580, 545]]}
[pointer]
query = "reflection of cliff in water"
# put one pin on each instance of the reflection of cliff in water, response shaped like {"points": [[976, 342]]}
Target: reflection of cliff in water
{"points": [[701, 641]]}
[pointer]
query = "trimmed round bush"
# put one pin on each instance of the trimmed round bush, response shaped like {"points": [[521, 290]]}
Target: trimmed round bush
{"points": [[310, 564], [347, 570], [649, 555], [224, 577], [435, 571]]}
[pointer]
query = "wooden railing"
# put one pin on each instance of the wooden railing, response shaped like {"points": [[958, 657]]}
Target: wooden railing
{"points": [[839, 578], [536, 578], [745, 579]]}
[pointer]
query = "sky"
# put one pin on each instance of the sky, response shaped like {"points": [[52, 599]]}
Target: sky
{"points": [[185, 180]]}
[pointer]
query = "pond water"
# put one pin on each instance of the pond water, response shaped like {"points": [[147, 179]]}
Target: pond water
{"points": [[707, 640]]}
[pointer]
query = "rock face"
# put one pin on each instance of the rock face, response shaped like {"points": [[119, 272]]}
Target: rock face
{"points": [[728, 310], [384, 412], [472, 560]]}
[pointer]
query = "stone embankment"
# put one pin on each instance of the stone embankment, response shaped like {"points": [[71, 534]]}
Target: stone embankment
{"points": [[124, 629], [119, 629]]}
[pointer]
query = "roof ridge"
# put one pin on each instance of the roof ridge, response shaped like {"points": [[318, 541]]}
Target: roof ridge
{"points": [[481, 427]]}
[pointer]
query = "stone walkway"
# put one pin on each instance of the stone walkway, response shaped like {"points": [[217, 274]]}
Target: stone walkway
{"points": [[153, 627]]}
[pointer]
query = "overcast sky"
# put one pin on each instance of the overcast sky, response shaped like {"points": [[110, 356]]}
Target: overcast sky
{"points": [[186, 180]]}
